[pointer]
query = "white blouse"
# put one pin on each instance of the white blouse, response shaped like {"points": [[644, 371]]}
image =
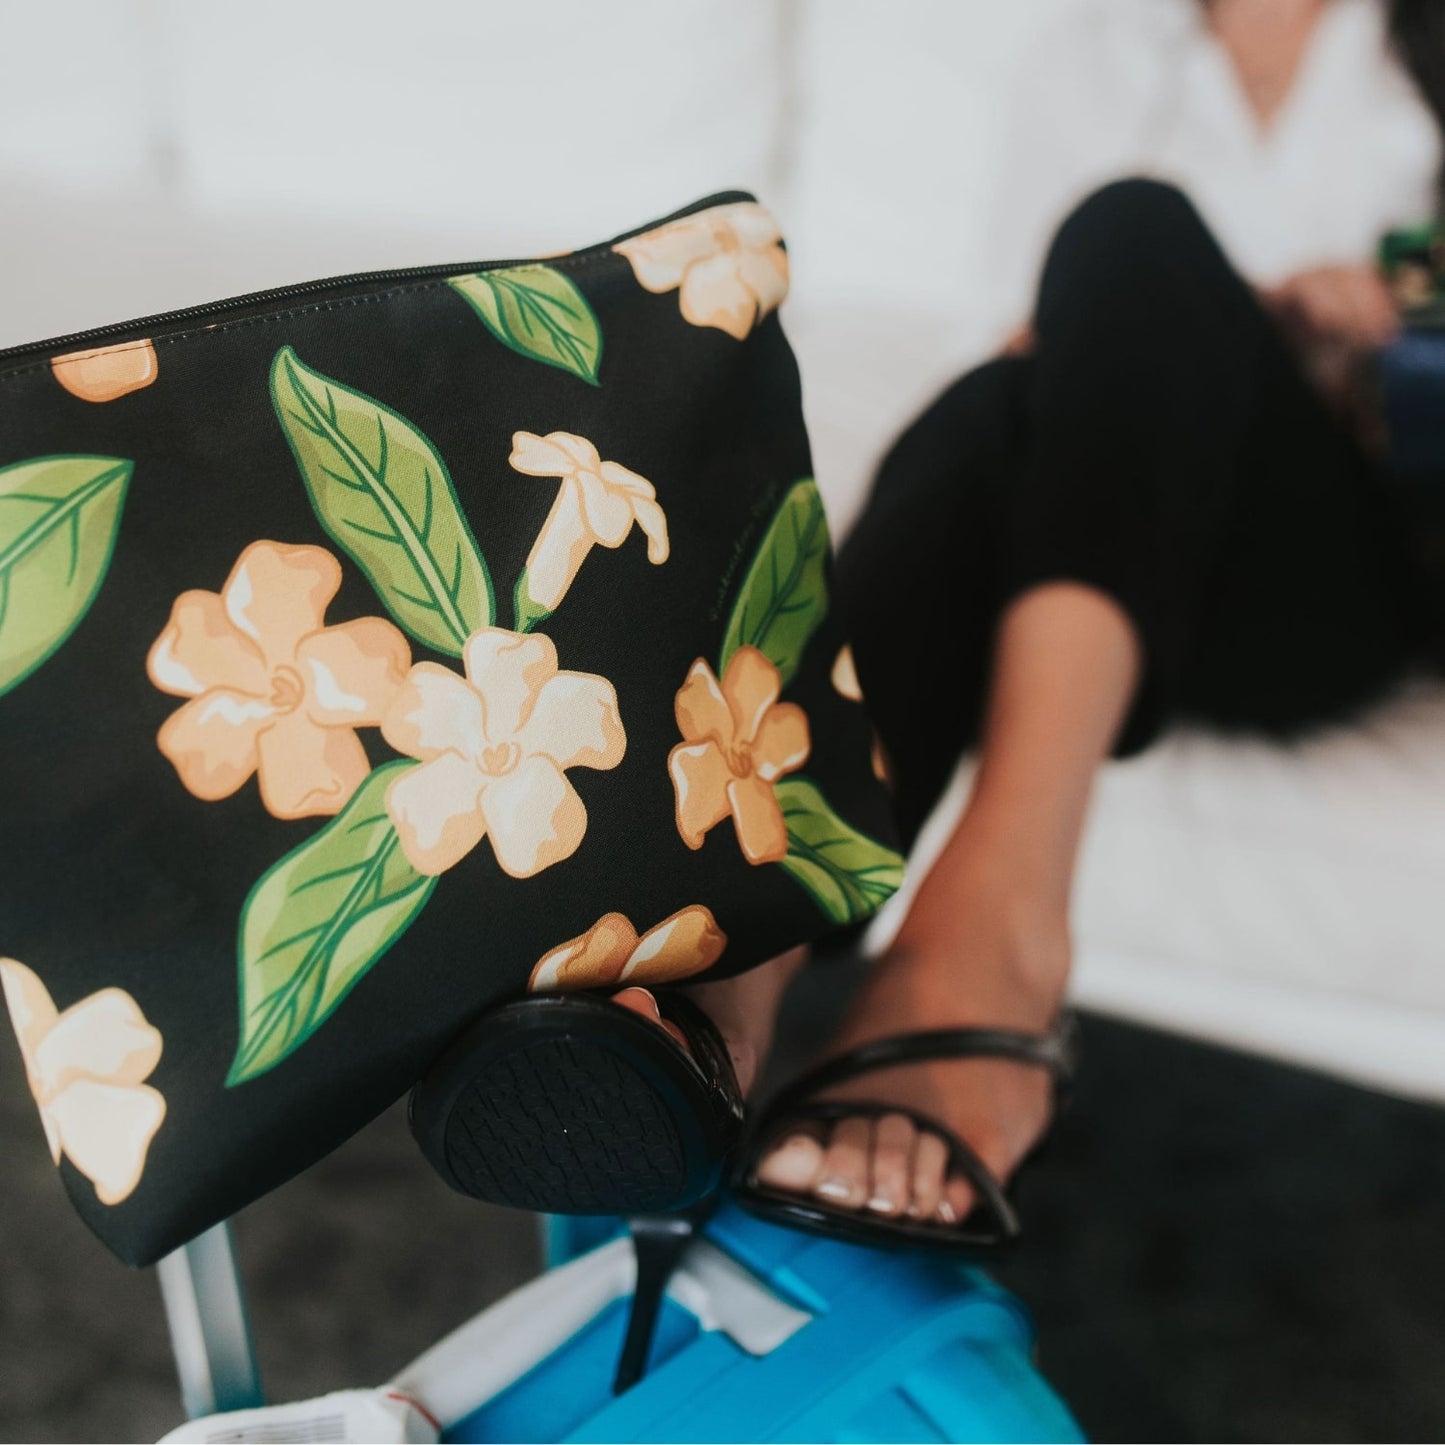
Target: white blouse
{"points": [[1142, 87]]}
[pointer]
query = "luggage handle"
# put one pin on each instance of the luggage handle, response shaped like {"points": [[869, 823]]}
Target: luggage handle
{"points": [[496, 1348], [209, 1328]]}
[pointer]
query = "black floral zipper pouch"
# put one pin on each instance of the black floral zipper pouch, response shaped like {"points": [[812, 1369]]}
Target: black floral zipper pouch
{"points": [[375, 651]]}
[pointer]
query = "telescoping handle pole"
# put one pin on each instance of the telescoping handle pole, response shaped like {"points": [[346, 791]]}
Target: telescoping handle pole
{"points": [[210, 1331]]}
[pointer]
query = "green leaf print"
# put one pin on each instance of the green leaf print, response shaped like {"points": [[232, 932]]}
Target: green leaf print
{"points": [[849, 875], [317, 921], [537, 311], [59, 517], [380, 489], [784, 596]]}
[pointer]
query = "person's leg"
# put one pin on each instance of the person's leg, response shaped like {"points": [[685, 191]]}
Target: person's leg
{"points": [[986, 938], [1086, 505], [1076, 596], [1162, 406]]}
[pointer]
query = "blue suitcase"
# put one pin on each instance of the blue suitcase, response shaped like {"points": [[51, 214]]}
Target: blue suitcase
{"points": [[768, 1334], [763, 1334]]}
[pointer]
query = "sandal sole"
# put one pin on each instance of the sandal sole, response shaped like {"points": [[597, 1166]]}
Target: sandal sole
{"points": [[562, 1114]]}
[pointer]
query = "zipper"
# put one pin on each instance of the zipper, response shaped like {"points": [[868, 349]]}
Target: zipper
{"points": [[355, 282]]}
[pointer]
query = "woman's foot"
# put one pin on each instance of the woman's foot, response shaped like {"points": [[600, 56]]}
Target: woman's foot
{"points": [[989, 963], [993, 964], [986, 940]]}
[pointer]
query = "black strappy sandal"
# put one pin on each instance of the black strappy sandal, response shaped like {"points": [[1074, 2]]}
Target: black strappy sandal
{"points": [[991, 1225], [574, 1105]]}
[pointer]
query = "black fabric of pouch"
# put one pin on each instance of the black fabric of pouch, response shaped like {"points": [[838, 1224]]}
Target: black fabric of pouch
{"points": [[375, 650]]}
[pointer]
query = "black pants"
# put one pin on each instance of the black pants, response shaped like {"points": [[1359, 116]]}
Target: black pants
{"points": [[1162, 445]]}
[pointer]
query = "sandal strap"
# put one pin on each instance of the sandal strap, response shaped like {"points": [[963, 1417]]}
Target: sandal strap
{"points": [[709, 1049], [1057, 1051], [963, 1158]]}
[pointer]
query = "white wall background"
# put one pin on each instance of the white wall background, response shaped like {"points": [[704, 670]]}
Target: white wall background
{"points": [[159, 153]]}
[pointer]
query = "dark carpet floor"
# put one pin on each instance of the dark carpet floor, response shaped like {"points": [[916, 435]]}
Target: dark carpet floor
{"points": [[1221, 1250]]}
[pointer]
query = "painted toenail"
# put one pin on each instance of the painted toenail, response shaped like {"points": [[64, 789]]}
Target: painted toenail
{"points": [[834, 1188], [946, 1212], [882, 1204]]}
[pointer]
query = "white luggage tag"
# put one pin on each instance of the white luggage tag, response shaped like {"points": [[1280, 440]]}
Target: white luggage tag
{"points": [[382, 1417]]}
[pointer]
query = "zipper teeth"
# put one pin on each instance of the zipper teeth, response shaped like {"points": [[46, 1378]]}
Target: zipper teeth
{"points": [[252, 299]]}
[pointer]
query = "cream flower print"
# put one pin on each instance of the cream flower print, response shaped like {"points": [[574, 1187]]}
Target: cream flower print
{"points": [[87, 1069], [271, 688], [610, 953], [597, 504], [494, 748], [738, 740], [725, 262], [845, 676]]}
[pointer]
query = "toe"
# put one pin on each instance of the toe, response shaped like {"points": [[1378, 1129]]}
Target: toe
{"points": [[957, 1202], [793, 1163], [843, 1179], [642, 1002], [892, 1174], [930, 1165]]}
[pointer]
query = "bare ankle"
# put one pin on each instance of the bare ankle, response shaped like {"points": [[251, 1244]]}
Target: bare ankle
{"points": [[745, 1010], [1014, 945], [1006, 868]]}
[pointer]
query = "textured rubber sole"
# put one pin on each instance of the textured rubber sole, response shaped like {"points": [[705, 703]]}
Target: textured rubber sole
{"points": [[565, 1125]]}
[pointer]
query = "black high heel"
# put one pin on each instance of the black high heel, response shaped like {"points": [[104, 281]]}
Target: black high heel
{"points": [[574, 1105], [659, 1241]]}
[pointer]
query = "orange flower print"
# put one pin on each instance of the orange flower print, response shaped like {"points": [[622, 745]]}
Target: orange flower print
{"points": [[738, 740], [107, 373], [272, 689], [494, 748], [726, 264], [597, 504], [610, 953], [87, 1069]]}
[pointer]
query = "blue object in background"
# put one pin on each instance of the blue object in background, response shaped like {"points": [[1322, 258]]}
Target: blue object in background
{"points": [[1411, 373], [898, 1347]]}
